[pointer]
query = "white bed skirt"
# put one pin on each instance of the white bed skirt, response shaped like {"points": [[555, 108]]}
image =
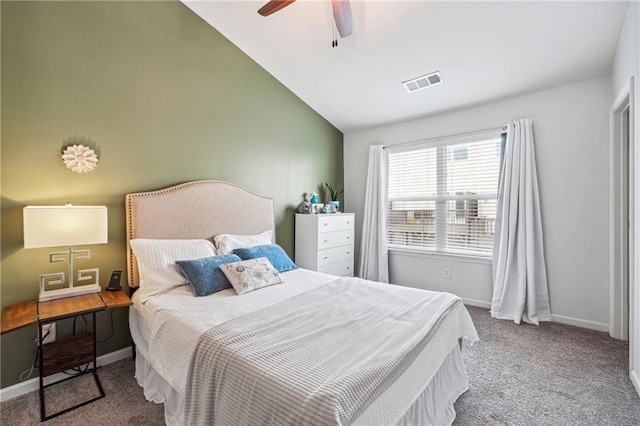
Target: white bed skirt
{"points": [[434, 406]]}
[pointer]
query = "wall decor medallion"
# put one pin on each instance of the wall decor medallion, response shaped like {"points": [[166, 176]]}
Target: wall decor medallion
{"points": [[79, 158]]}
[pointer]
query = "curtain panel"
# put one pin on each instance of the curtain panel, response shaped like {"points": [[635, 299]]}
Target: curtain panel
{"points": [[520, 291], [374, 251]]}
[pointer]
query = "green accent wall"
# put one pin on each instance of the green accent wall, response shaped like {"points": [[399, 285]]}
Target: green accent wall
{"points": [[165, 99]]}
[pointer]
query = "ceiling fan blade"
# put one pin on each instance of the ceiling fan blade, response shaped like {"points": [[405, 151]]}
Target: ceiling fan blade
{"points": [[342, 16], [273, 6]]}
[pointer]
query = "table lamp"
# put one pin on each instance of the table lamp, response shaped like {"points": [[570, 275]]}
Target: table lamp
{"points": [[57, 226]]}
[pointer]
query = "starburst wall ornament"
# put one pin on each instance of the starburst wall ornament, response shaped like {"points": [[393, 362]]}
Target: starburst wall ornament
{"points": [[79, 158]]}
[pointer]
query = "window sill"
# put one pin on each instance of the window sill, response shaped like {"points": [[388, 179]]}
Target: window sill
{"points": [[440, 256]]}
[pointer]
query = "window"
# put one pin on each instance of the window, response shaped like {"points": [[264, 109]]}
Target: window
{"points": [[443, 195]]}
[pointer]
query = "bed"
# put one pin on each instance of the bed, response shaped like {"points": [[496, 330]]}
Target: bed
{"points": [[410, 378]]}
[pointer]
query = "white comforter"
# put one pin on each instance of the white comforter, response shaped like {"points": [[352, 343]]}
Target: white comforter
{"points": [[319, 358], [167, 328], [173, 322]]}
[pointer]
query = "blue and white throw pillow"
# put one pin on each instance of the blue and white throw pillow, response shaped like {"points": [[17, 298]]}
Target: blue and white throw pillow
{"points": [[252, 274]]}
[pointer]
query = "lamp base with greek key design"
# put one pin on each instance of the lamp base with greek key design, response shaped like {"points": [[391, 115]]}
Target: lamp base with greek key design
{"points": [[68, 292]]}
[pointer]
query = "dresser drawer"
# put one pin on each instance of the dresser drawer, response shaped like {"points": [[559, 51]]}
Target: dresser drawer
{"points": [[343, 269], [335, 239], [334, 255], [332, 223]]}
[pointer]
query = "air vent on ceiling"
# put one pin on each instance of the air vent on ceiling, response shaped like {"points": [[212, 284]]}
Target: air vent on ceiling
{"points": [[423, 82]]}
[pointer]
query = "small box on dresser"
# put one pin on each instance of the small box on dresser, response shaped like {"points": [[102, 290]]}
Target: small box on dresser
{"points": [[324, 243]]}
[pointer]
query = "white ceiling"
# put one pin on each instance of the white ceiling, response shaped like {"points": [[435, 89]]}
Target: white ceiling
{"points": [[484, 50]]}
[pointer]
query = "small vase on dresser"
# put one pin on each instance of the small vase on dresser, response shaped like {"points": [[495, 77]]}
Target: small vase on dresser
{"points": [[324, 243]]}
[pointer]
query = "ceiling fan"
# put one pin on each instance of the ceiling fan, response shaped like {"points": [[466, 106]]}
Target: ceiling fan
{"points": [[341, 14]]}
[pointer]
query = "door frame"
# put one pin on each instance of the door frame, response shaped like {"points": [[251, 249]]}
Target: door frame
{"points": [[620, 279], [625, 100]]}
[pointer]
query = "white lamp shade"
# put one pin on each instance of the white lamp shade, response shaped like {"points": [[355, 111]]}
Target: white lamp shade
{"points": [[54, 226]]}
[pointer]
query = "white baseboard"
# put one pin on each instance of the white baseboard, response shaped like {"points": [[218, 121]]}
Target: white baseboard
{"points": [[592, 325], [478, 303], [33, 384], [635, 379]]}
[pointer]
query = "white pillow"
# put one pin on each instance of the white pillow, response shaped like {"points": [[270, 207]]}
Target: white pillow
{"points": [[157, 262], [252, 274], [226, 243]]}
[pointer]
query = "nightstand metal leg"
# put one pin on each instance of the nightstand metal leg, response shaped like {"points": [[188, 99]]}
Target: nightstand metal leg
{"points": [[95, 358], [43, 413]]}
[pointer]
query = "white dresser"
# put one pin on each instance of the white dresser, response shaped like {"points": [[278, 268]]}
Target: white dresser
{"points": [[324, 242]]}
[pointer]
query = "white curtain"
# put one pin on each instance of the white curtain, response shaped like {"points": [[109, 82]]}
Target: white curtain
{"points": [[519, 273], [374, 252]]}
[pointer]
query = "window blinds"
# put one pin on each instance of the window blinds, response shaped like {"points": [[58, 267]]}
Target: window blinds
{"points": [[442, 196]]}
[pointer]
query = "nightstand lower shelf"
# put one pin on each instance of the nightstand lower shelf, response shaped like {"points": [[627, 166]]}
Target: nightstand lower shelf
{"points": [[66, 354]]}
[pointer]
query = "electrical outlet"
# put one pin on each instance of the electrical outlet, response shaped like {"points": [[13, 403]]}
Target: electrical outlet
{"points": [[51, 328], [446, 273]]}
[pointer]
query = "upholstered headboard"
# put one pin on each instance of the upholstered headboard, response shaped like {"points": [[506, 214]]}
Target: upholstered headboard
{"points": [[198, 209]]}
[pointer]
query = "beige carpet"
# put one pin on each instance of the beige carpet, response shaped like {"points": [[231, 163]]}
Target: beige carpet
{"points": [[519, 375]]}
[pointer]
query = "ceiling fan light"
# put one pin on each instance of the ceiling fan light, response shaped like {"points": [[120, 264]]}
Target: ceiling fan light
{"points": [[342, 17]]}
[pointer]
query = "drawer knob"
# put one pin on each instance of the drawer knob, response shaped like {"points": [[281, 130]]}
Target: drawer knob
{"points": [[348, 252], [348, 267], [326, 224], [325, 241], [325, 258]]}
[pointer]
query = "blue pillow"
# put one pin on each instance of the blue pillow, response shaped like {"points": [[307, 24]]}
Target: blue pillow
{"points": [[273, 252], [205, 275]]}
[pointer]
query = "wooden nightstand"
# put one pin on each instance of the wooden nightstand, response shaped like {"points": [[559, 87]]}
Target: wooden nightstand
{"points": [[69, 352]]}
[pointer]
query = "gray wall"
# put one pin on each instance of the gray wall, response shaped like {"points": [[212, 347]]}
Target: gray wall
{"points": [[167, 99], [626, 61], [570, 126]]}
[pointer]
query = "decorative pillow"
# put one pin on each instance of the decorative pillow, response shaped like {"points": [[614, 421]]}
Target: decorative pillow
{"points": [[205, 275], [226, 243], [252, 274], [157, 262], [273, 252]]}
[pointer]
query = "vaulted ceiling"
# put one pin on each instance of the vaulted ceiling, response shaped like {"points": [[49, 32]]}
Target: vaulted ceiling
{"points": [[484, 50]]}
